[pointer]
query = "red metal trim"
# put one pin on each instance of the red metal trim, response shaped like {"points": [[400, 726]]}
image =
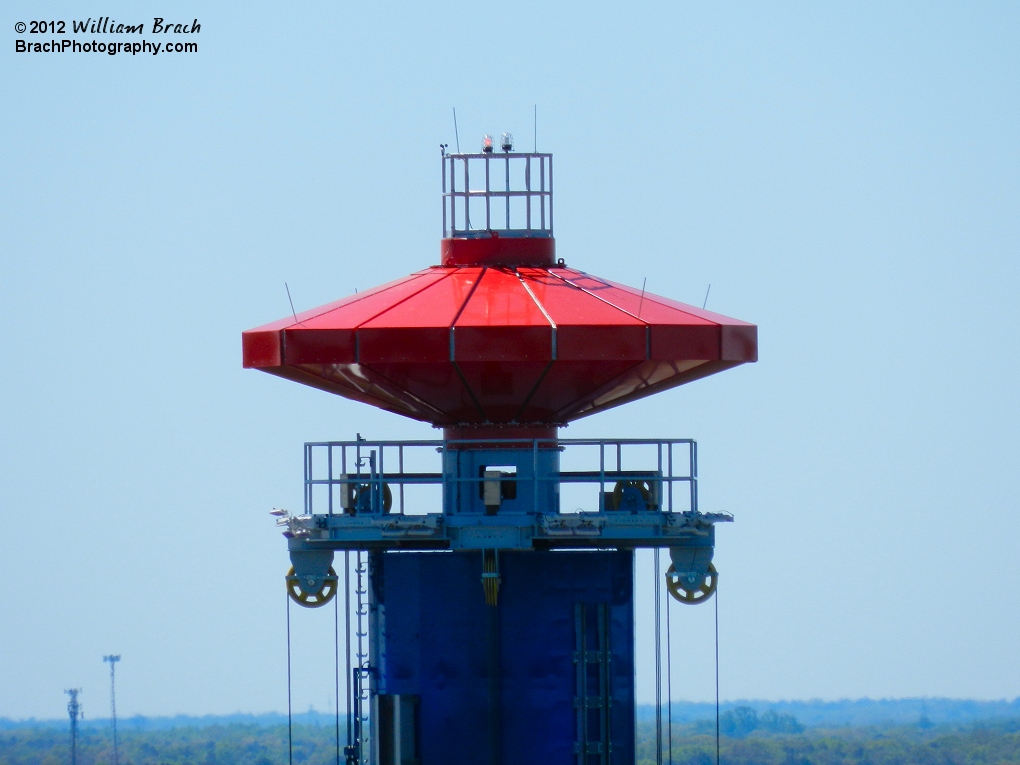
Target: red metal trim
{"points": [[499, 251], [318, 346], [468, 433], [260, 349], [739, 342]]}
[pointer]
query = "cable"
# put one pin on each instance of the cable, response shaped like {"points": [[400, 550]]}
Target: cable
{"points": [[290, 716], [716, 675], [347, 640], [658, 664], [336, 649], [669, 683]]}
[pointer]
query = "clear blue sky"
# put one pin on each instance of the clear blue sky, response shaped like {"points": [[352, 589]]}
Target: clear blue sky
{"points": [[845, 175]]}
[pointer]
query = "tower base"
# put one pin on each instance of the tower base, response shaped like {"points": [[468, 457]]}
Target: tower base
{"points": [[544, 676]]}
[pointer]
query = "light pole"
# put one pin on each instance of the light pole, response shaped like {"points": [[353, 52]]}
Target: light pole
{"points": [[113, 703]]}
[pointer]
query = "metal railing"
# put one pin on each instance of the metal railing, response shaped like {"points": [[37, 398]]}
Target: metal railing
{"points": [[507, 176], [337, 473]]}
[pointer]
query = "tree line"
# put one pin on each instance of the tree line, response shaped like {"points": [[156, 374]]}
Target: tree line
{"points": [[748, 738]]}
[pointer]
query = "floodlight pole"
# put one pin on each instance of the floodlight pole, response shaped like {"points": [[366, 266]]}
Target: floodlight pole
{"points": [[113, 704]]}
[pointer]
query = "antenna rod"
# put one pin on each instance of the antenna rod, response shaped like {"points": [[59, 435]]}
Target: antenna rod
{"points": [[113, 705], [295, 321], [456, 134], [642, 301], [706, 296], [536, 128]]}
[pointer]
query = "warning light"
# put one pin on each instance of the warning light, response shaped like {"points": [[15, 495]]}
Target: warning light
{"points": [[507, 142], [487, 144]]}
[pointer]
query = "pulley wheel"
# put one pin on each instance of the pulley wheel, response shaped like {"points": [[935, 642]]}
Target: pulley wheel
{"points": [[688, 592], [311, 599], [642, 486], [387, 495]]}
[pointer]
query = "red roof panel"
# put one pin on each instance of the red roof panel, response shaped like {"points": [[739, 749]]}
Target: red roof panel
{"points": [[472, 345]]}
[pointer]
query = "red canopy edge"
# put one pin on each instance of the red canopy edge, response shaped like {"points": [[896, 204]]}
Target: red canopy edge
{"points": [[462, 346]]}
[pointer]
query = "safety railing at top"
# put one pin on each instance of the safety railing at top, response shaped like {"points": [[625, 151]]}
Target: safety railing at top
{"points": [[516, 199], [334, 470]]}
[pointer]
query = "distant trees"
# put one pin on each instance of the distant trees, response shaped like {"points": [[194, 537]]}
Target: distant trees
{"points": [[748, 743], [748, 738], [741, 721]]}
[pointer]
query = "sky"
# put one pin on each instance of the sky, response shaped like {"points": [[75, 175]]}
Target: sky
{"points": [[846, 175]]}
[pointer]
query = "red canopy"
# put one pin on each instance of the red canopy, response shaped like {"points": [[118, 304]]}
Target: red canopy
{"points": [[500, 345]]}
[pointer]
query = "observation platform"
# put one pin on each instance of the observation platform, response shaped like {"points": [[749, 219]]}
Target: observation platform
{"points": [[501, 494]]}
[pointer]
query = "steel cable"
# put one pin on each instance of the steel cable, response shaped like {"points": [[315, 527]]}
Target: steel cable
{"points": [[658, 662], [290, 715], [336, 649], [716, 598], [669, 683], [347, 641]]}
